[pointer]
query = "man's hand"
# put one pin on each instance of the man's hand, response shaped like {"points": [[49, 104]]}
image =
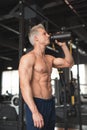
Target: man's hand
{"points": [[38, 120], [60, 43]]}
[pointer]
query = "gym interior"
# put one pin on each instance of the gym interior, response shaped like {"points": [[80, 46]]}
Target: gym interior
{"points": [[69, 85]]}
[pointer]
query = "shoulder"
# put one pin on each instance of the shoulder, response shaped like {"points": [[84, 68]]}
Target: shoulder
{"points": [[27, 59]]}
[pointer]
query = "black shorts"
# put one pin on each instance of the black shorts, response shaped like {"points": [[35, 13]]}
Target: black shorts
{"points": [[47, 108]]}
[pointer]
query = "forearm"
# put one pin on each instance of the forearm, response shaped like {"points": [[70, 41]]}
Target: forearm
{"points": [[28, 98], [68, 55]]}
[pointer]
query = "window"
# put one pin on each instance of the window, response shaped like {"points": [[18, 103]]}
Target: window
{"points": [[82, 77], [10, 82]]}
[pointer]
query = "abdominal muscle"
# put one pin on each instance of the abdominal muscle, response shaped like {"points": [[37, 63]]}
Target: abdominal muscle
{"points": [[41, 86]]}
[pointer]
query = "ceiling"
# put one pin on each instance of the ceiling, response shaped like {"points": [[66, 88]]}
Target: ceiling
{"points": [[57, 16]]}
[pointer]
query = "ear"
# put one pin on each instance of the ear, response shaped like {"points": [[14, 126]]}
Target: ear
{"points": [[35, 38]]}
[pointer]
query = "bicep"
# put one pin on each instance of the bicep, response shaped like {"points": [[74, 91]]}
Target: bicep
{"points": [[59, 63], [25, 73]]}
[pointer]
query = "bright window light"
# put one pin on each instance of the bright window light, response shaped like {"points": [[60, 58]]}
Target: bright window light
{"points": [[10, 82], [82, 77]]}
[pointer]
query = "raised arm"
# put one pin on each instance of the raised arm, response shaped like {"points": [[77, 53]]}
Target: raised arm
{"points": [[25, 76], [67, 61]]}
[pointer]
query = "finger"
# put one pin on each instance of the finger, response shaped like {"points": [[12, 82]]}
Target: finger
{"points": [[41, 124], [56, 41], [35, 124]]}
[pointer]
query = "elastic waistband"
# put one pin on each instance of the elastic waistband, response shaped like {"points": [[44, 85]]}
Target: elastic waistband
{"points": [[44, 100]]}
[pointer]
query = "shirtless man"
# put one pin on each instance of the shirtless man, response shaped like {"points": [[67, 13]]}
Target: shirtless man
{"points": [[35, 80]]}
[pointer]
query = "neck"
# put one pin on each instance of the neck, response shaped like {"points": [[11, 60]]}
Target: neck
{"points": [[39, 50]]}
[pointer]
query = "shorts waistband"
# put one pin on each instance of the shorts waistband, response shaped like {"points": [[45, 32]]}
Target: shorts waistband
{"points": [[44, 100]]}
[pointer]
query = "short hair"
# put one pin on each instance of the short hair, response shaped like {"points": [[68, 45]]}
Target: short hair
{"points": [[34, 31]]}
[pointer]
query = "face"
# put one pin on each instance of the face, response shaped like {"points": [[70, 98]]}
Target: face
{"points": [[43, 37]]}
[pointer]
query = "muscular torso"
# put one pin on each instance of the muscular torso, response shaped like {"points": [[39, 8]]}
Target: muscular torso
{"points": [[41, 77]]}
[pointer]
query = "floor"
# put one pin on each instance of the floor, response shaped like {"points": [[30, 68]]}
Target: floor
{"points": [[64, 129], [83, 128], [72, 121]]}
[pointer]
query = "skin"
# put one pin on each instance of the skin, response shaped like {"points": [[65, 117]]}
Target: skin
{"points": [[35, 73]]}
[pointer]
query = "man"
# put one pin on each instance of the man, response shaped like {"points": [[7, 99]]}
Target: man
{"points": [[35, 79]]}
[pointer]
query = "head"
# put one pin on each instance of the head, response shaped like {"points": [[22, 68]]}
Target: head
{"points": [[35, 33]]}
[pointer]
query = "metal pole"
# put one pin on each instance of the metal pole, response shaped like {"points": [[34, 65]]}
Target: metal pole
{"points": [[21, 45], [62, 79], [79, 101]]}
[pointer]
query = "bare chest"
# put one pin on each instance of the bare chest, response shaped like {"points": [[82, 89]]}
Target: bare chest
{"points": [[43, 65]]}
